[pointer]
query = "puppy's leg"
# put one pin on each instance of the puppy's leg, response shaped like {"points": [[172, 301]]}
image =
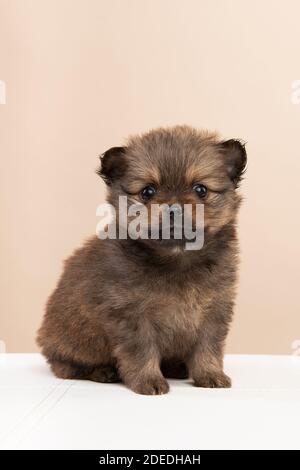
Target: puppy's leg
{"points": [[143, 377], [206, 362], [174, 369], [139, 367], [105, 373], [65, 369], [70, 370]]}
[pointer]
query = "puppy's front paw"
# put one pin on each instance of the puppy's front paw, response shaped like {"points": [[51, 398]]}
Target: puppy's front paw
{"points": [[151, 386], [212, 379]]}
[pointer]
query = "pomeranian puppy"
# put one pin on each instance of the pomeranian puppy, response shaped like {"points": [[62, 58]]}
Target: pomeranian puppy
{"points": [[142, 310]]}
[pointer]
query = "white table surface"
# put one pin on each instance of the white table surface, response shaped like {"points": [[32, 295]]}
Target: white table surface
{"points": [[262, 410]]}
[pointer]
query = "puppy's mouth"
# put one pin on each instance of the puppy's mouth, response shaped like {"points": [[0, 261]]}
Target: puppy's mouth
{"points": [[171, 235]]}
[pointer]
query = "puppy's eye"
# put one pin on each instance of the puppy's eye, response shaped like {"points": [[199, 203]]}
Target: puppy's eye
{"points": [[148, 192], [201, 190]]}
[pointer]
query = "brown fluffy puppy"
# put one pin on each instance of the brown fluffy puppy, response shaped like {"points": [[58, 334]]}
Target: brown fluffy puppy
{"points": [[142, 310]]}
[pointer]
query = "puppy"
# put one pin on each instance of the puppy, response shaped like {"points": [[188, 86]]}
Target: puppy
{"points": [[142, 310]]}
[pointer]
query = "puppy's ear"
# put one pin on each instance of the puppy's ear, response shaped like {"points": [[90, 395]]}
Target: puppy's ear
{"points": [[236, 159], [112, 164]]}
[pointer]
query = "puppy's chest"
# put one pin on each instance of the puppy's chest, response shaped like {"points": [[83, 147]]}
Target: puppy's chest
{"points": [[178, 319]]}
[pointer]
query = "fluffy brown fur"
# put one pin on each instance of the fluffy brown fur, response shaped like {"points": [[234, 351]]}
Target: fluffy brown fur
{"points": [[140, 311]]}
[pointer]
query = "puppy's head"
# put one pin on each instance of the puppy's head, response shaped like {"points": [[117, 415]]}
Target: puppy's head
{"points": [[178, 166]]}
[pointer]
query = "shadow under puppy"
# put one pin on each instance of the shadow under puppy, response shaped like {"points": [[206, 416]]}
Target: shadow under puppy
{"points": [[142, 310]]}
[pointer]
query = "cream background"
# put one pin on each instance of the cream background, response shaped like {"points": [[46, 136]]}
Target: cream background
{"points": [[82, 75]]}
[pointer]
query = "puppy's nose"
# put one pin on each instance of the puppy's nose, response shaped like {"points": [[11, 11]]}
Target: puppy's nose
{"points": [[175, 211]]}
